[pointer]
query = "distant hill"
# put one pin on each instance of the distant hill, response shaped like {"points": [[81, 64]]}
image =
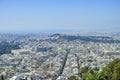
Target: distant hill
{"points": [[104, 39]]}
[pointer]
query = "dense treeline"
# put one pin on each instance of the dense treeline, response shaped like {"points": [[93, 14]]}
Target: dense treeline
{"points": [[110, 72], [6, 47]]}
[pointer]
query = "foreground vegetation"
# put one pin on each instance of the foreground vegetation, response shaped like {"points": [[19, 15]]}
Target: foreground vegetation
{"points": [[110, 72]]}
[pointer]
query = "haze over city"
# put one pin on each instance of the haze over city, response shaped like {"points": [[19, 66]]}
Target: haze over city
{"points": [[59, 39], [59, 15]]}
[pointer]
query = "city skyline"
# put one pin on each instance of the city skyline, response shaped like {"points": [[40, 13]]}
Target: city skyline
{"points": [[32, 16]]}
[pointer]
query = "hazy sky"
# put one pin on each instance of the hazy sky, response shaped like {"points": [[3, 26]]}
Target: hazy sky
{"points": [[48, 15]]}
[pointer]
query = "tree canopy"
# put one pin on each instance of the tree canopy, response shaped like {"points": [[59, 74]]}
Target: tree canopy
{"points": [[110, 72]]}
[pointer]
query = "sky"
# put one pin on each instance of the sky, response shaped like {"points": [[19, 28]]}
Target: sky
{"points": [[59, 15]]}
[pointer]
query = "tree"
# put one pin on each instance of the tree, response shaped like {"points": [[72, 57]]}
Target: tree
{"points": [[110, 72], [72, 78]]}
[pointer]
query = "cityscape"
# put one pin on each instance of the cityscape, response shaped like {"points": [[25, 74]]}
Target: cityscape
{"points": [[55, 56], [59, 39]]}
